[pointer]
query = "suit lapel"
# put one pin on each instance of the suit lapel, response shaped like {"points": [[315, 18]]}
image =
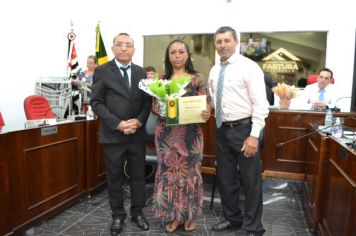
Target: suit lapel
{"points": [[123, 85], [134, 79]]}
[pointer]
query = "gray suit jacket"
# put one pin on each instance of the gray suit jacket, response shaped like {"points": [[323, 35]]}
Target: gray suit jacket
{"points": [[113, 101]]}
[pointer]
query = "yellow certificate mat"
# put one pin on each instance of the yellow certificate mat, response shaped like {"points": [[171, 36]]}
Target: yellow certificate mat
{"points": [[185, 110]]}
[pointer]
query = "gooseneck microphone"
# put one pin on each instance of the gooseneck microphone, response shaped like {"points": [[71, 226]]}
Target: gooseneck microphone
{"points": [[336, 109], [45, 122], [279, 145]]}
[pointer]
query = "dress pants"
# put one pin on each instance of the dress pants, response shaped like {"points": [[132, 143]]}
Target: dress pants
{"points": [[233, 167], [115, 156]]}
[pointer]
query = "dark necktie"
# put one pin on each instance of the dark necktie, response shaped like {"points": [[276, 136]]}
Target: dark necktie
{"points": [[126, 76], [220, 86]]}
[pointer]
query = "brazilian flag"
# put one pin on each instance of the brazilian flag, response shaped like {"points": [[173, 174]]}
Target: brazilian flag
{"points": [[100, 51]]}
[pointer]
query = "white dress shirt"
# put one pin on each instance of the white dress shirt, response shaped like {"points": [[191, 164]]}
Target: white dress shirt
{"points": [[244, 93], [311, 94], [119, 65]]}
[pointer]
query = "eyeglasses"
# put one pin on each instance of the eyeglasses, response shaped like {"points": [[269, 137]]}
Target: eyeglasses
{"points": [[122, 45]]}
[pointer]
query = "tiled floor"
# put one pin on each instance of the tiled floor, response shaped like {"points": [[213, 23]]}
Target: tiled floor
{"points": [[283, 215]]}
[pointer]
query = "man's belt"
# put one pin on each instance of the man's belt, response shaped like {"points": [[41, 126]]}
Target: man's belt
{"points": [[237, 123]]}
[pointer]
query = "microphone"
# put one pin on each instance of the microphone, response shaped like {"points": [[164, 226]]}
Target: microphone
{"points": [[335, 109], [279, 145], [45, 121]]}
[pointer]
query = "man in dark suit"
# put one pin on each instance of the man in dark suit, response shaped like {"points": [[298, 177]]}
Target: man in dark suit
{"points": [[123, 110]]}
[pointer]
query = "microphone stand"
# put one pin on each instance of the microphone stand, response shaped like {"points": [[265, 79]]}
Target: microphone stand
{"points": [[45, 121], [336, 109], [279, 145]]}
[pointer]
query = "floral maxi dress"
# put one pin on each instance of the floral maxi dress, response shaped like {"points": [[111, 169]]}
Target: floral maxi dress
{"points": [[178, 193]]}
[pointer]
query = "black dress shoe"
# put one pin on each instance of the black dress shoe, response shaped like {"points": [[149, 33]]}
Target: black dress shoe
{"points": [[141, 222], [116, 226], [225, 225], [255, 233]]}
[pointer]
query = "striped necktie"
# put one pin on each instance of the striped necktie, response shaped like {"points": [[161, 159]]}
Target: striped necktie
{"points": [[321, 94], [218, 105]]}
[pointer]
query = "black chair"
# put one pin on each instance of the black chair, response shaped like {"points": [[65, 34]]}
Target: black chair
{"points": [[151, 155]]}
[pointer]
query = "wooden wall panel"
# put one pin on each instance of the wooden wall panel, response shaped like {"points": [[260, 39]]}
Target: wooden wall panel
{"points": [[96, 171], [338, 215], [51, 170], [288, 161], [44, 172], [209, 147]]}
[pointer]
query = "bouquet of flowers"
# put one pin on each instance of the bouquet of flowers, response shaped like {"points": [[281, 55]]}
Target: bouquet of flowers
{"points": [[285, 93], [163, 89]]}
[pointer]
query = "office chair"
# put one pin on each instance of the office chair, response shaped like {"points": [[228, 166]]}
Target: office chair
{"points": [[314, 78], [37, 107], [151, 155], [2, 123], [151, 158]]}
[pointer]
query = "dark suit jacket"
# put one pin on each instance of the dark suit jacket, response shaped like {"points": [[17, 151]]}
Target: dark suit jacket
{"points": [[269, 85], [113, 101]]}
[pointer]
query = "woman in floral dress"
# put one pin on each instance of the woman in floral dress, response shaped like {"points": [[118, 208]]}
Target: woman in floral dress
{"points": [[178, 194]]}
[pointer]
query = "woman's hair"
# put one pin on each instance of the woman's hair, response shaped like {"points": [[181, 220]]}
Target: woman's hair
{"points": [[94, 58], [168, 65]]}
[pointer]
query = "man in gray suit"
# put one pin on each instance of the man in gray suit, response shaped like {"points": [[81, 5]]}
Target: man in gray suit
{"points": [[123, 110]]}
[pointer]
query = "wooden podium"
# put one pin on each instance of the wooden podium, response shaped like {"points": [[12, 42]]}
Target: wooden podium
{"points": [[289, 160], [330, 186]]}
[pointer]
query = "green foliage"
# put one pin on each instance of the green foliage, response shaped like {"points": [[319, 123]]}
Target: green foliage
{"points": [[165, 88], [158, 87]]}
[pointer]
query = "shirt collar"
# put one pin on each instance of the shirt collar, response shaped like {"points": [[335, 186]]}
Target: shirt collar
{"points": [[118, 64], [327, 88], [232, 59]]}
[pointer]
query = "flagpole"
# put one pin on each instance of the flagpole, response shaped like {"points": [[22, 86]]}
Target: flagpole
{"points": [[100, 51], [70, 45]]}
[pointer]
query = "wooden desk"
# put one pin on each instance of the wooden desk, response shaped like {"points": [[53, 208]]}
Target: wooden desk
{"points": [[314, 181], [41, 176], [95, 162], [338, 210], [330, 186], [45, 170], [289, 160], [209, 147]]}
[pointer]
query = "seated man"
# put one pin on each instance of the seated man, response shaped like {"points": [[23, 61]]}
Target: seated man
{"points": [[321, 95]]}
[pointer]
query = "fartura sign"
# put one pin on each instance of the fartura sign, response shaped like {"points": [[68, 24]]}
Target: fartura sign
{"points": [[280, 61], [280, 66]]}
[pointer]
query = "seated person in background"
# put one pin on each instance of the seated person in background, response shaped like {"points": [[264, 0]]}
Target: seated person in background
{"points": [[82, 83], [302, 83], [150, 72], [321, 95], [86, 76]]}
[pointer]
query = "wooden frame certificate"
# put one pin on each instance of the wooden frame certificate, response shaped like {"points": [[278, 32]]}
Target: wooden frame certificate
{"points": [[185, 110]]}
